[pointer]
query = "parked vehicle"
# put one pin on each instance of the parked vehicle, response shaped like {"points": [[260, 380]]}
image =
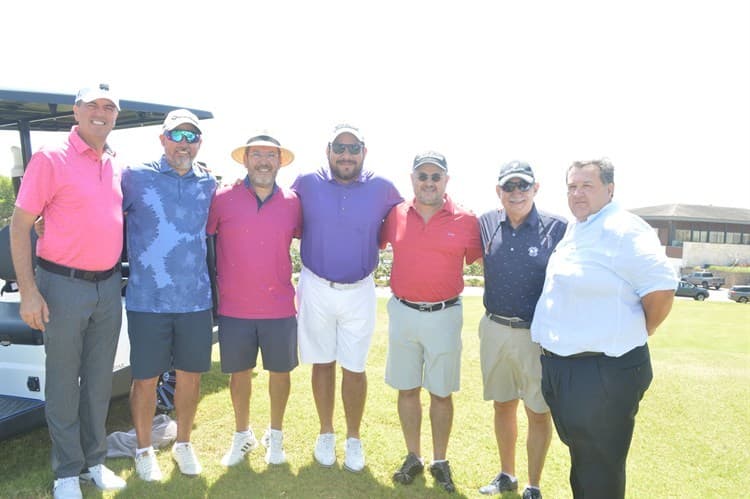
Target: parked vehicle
{"points": [[705, 279], [22, 357], [685, 288], [740, 294]]}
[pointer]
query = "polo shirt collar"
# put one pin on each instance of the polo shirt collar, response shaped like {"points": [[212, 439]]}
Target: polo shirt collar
{"points": [[532, 220], [81, 146], [246, 183]]}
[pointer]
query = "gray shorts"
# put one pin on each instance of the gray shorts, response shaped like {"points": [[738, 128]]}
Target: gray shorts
{"points": [[240, 339], [160, 342]]}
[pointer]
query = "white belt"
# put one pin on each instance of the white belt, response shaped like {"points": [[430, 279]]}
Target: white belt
{"points": [[338, 285]]}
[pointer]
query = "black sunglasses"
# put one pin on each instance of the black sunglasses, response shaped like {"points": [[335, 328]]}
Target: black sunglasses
{"points": [[522, 185], [352, 148], [435, 177], [178, 135]]}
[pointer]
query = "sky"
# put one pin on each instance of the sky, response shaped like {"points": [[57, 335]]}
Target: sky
{"points": [[661, 88]]}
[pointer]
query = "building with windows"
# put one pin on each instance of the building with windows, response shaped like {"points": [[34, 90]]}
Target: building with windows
{"points": [[721, 235]]}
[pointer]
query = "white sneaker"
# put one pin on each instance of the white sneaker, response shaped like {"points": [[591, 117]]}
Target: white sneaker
{"points": [[273, 441], [103, 478], [67, 488], [147, 467], [355, 456], [186, 459], [242, 444], [325, 449]]}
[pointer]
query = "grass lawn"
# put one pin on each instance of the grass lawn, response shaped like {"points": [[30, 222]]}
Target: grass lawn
{"points": [[692, 435]]}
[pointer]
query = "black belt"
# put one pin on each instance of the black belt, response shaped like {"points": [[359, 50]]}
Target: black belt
{"points": [[86, 275], [513, 323], [547, 353], [429, 307]]}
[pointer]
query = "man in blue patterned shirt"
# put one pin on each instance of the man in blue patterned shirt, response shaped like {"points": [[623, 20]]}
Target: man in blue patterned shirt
{"points": [[517, 241], [168, 297]]}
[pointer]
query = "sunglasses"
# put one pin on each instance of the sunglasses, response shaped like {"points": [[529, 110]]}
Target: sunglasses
{"points": [[435, 177], [178, 135], [352, 148], [522, 185]]}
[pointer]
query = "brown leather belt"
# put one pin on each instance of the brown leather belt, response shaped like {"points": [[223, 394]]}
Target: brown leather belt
{"points": [[86, 275]]}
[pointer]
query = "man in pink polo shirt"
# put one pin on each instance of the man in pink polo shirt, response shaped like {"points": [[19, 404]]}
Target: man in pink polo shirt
{"points": [[431, 238], [254, 223], [75, 296]]}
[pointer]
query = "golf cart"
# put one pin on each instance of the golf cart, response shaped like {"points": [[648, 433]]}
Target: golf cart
{"points": [[22, 357]]}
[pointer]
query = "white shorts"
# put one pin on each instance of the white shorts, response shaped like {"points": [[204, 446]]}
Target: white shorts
{"points": [[335, 323]]}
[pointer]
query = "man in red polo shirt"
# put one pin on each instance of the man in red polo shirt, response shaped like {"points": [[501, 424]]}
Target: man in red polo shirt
{"points": [[255, 222], [431, 238]]}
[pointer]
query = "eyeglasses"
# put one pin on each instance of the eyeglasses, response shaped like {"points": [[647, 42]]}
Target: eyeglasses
{"points": [[522, 185], [257, 155], [435, 177], [178, 135], [352, 148]]}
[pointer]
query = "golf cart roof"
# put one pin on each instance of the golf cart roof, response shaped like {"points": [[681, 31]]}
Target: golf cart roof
{"points": [[53, 112], [27, 111]]}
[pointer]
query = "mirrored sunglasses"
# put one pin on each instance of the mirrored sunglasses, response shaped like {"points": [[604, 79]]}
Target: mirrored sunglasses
{"points": [[178, 135]]}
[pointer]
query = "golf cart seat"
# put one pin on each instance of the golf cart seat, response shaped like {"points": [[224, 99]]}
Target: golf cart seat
{"points": [[13, 330]]}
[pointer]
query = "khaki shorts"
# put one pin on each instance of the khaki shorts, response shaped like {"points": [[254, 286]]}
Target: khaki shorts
{"points": [[424, 348], [511, 367]]}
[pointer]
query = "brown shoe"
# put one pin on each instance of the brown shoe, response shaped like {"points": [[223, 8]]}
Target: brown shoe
{"points": [[409, 470], [442, 473]]}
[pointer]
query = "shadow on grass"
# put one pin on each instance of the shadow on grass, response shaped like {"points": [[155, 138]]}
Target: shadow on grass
{"points": [[213, 381]]}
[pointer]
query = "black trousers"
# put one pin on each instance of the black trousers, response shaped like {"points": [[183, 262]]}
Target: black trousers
{"points": [[594, 401]]}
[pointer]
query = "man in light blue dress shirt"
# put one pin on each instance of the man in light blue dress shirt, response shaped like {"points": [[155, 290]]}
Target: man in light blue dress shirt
{"points": [[608, 286]]}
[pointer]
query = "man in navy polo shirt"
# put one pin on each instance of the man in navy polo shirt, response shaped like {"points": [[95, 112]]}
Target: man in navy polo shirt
{"points": [[517, 241], [343, 208]]}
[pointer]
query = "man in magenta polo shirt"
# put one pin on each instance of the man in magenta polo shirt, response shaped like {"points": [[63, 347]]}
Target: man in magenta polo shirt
{"points": [[254, 222], [343, 209], [75, 296], [431, 238]]}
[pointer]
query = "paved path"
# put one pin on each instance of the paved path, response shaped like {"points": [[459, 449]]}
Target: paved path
{"points": [[468, 291]]}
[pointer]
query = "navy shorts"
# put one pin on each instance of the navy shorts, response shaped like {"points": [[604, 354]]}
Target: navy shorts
{"points": [[161, 342], [240, 339]]}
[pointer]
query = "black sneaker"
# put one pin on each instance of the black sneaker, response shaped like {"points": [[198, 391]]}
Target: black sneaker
{"points": [[409, 470], [442, 473], [501, 483], [529, 493]]}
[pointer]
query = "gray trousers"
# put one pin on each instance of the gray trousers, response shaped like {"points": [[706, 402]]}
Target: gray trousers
{"points": [[80, 342]]}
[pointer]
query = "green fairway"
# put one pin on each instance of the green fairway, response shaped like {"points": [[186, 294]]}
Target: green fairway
{"points": [[692, 435]]}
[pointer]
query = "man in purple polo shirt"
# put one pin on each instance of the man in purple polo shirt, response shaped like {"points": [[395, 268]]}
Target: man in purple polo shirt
{"points": [[343, 209]]}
